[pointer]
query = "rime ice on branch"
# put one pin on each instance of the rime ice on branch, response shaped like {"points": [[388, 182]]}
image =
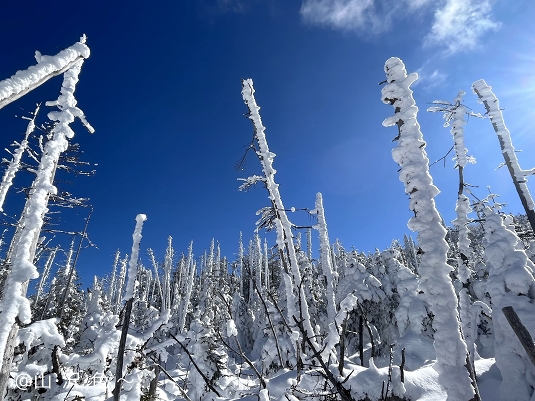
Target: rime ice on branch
{"points": [[435, 281], [47, 67], [518, 175]]}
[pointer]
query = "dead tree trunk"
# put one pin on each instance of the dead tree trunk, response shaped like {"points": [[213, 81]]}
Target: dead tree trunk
{"points": [[120, 353], [484, 92], [521, 332]]}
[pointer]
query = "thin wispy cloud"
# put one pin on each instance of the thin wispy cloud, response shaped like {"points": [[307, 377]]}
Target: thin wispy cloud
{"points": [[363, 15], [429, 79], [457, 24], [460, 24]]}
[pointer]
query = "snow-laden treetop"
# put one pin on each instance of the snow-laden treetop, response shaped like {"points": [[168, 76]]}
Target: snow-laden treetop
{"points": [[47, 67]]}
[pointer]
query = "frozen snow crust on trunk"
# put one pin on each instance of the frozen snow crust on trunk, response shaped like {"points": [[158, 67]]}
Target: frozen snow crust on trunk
{"points": [[435, 281]]}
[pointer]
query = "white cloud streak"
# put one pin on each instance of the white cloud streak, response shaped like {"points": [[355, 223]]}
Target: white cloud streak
{"points": [[457, 24], [428, 79], [460, 24], [346, 14]]}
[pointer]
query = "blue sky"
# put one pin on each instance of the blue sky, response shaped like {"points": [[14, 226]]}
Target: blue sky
{"points": [[162, 89]]}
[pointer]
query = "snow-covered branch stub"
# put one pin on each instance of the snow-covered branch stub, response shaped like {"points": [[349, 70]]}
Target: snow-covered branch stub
{"points": [[132, 264]]}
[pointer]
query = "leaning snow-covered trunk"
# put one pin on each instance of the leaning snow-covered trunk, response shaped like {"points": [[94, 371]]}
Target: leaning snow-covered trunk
{"points": [[15, 304], [518, 175], [282, 224], [435, 281]]}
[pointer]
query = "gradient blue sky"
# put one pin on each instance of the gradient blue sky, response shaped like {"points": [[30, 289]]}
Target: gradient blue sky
{"points": [[162, 89]]}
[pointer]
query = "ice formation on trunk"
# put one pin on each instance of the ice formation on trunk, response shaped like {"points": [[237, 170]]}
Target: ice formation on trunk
{"points": [[47, 67], [132, 265], [450, 348], [14, 165], [14, 303]]}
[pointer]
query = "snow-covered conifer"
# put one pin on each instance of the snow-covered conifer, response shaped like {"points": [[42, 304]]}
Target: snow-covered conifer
{"points": [[510, 283]]}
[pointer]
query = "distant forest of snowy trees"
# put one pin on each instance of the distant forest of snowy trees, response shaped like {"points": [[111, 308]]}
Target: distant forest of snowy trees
{"points": [[274, 322]]}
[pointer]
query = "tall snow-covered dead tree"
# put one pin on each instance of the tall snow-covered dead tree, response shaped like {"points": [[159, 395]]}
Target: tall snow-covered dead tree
{"points": [[327, 267], [455, 114], [188, 288], [129, 297], [519, 176], [282, 223], [15, 305], [111, 288], [434, 272]]}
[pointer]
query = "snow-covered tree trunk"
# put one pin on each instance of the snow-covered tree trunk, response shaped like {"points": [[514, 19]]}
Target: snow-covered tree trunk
{"points": [[282, 223], [190, 269], [167, 266], [240, 264], [455, 115], [14, 303], [518, 175], [111, 289], [44, 276], [120, 285], [434, 272], [326, 265], [266, 266], [129, 297], [14, 165]]}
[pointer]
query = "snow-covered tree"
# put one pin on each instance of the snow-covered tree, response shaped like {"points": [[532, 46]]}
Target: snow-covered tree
{"points": [[510, 283], [519, 176], [14, 303], [434, 272]]}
